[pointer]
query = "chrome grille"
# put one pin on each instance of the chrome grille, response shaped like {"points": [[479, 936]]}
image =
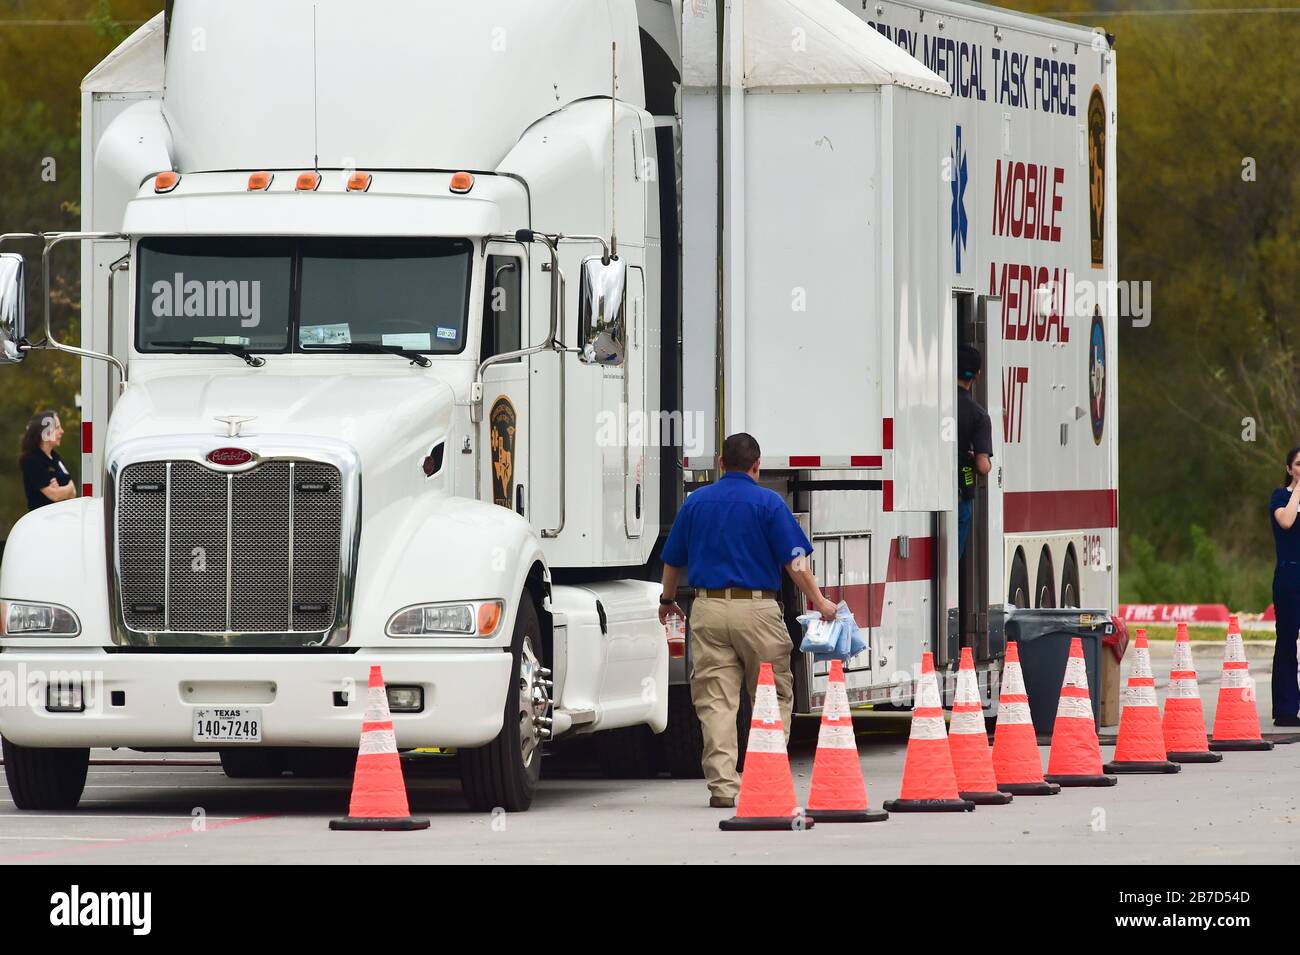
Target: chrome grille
{"points": [[255, 551]]}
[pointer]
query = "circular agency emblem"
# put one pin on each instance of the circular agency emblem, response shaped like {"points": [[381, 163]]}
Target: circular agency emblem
{"points": [[502, 423], [1097, 176], [1097, 374]]}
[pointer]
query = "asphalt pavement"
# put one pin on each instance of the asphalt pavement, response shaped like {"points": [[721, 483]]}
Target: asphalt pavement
{"points": [[148, 809]]}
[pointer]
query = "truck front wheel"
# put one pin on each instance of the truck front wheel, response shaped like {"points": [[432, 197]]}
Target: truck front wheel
{"points": [[504, 773], [45, 778]]}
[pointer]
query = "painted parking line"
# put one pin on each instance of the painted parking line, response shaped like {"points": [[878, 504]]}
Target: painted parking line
{"points": [[85, 845], [61, 839], [35, 815]]}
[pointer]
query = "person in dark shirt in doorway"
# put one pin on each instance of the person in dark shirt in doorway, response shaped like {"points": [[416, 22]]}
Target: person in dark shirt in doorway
{"points": [[974, 439], [45, 477]]}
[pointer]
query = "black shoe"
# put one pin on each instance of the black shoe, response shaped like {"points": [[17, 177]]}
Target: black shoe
{"points": [[1286, 721]]}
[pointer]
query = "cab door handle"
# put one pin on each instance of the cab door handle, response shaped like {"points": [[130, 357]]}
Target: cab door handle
{"points": [[519, 499]]}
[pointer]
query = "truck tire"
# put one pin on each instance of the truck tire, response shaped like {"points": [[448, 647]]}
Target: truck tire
{"points": [[262, 762], [1018, 591], [628, 752], [1045, 588], [1070, 582], [504, 773], [45, 778], [683, 740]]}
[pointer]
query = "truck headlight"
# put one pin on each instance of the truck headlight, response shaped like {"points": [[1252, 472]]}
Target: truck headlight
{"points": [[475, 618], [37, 619]]}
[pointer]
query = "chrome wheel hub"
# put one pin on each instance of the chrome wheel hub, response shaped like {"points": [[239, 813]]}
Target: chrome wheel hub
{"points": [[534, 705]]}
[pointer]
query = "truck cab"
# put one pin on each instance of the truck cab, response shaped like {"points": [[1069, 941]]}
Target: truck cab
{"points": [[345, 360]]}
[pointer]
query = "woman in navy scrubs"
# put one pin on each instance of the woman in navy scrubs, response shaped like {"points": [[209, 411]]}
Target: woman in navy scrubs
{"points": [[1286, 593], [45, 476]]}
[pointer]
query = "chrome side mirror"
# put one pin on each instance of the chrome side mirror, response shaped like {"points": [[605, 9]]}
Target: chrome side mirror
{"points": [[602, 328], [13, 308]]}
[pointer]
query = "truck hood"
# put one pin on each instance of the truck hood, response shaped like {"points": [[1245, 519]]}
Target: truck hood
{"points": [[391, 421]]}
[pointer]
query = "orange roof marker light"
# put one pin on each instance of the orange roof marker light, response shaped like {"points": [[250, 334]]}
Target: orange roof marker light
{"points": [[260, 181], [462, 182], [359, 182], [307, 181], [166, 182]]}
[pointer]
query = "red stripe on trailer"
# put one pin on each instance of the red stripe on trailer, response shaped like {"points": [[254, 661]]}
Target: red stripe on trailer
{"points": [[86, 490], [87, 438], [866, 461], [887, 433], [887, 487], [1026, 512], [867, 601], [805, 460]]}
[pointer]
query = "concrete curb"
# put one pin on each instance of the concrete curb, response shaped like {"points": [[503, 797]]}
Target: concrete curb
{"points": [[1164, 649]]}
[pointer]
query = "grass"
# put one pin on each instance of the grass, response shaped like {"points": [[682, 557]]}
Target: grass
{"points": [[1159, 632]]}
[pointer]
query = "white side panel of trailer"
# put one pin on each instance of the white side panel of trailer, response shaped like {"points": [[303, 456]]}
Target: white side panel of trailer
{"points": [[131, 74], [812, 362], [924, 326], [699, 269]]}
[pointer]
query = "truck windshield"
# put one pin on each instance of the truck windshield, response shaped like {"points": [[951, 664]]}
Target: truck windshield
{"points": [[317, 295]]}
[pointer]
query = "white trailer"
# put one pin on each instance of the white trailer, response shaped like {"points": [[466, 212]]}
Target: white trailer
{"points": [[384, 312], [945, 175]]}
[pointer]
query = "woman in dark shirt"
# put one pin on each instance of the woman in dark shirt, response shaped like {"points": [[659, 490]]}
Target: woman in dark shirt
{"points": [[45, 476], [1286, 593]]}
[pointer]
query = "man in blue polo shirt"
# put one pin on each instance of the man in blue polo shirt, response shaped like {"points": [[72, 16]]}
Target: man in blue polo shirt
{"points": [[734, 537]]}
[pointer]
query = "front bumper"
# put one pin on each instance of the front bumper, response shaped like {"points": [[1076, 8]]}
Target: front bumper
{"points": [[464, 696]]}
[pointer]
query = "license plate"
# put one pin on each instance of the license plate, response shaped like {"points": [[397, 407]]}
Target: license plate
{"points": [[228, 726]]}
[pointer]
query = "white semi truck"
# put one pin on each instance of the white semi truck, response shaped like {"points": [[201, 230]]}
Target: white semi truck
{"points": [[407, 328]]}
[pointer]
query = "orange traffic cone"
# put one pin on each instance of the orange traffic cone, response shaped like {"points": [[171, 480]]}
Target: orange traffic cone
{"points": [[1184, 722], [378, 791], [1075, 759], [929, 784], [1016, 763], [1236, 721], [968, 741], [766, 786], [1141, 745], [838, 793]]}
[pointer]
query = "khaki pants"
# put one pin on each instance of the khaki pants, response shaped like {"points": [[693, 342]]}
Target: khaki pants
{"points": [[729, 639]]}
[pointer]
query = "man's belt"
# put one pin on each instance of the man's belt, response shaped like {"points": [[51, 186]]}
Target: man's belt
{"points": [[737, 593]]}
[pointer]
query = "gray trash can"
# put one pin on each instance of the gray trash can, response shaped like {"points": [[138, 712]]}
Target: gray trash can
{"points": [[1044, 639]]}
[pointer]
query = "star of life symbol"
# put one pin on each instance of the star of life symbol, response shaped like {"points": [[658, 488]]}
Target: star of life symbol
{"points": [[234, 423], [958, 178]]}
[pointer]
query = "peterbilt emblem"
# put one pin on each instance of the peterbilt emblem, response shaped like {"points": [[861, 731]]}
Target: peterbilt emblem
{"points": [[229, 457], [234, 423]]}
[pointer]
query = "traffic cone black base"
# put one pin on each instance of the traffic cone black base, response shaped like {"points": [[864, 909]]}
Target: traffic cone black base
{"points": [[1240, 745], [1029, 789], [1142, 766], [848, 815], [1082, 780], [928, 805], [1196, 757], [407, 824], [765, 823], [987, 799]]}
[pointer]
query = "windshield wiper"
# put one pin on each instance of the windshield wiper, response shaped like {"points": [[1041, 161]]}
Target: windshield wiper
{"points": [[239, 351], [370, 348]]}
